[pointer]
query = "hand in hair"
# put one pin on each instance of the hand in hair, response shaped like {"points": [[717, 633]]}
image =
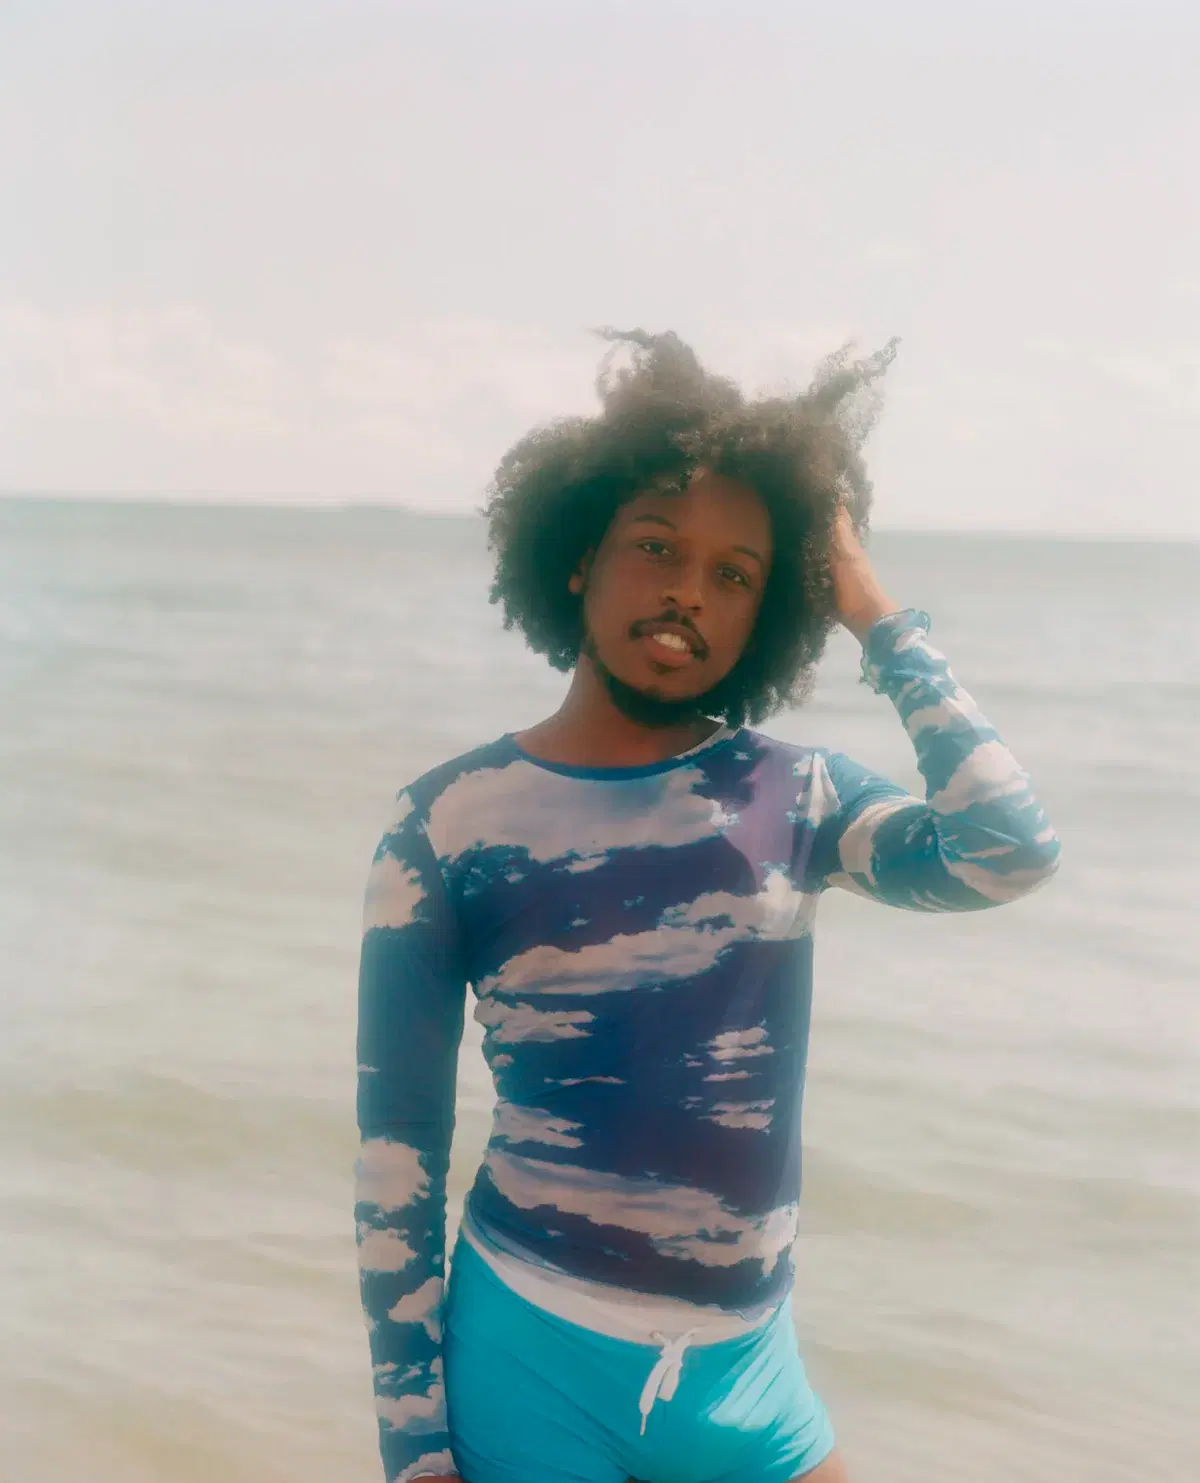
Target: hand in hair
{"points": [[859, 594]]}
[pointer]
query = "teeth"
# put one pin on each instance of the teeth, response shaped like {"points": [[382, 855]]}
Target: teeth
{"points": [[671, 641]]}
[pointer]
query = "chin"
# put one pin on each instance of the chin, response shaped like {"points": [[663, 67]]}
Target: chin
{"points": [[661, 688], [688, 682], [651, 703]]}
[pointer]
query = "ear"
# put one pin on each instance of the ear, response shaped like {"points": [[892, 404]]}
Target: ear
{"points": [[579, 577]]}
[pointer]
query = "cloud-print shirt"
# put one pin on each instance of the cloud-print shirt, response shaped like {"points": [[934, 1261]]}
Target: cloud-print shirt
{"points": [[639, 943]]}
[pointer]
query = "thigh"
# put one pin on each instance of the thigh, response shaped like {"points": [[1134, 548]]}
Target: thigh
{"points": [[518, 1396], [832, 1470], [508, 1425], [786, 1432]]}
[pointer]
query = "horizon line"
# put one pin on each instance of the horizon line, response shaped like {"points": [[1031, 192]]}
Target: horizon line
{"points": [[321, 505]]}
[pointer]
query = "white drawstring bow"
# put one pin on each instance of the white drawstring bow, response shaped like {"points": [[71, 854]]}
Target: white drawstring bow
{"points": [[663, 1379]]}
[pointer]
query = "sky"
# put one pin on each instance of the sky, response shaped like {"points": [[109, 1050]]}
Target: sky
{"points": [[333, 252]]}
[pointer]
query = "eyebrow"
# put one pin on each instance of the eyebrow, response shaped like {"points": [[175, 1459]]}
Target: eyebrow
{"points": [[649, 519]]}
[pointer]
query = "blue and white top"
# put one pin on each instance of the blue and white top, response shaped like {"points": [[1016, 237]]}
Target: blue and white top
{"points": [[639, 942]]}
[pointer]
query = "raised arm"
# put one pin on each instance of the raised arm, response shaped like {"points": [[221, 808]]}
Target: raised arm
{"points": [[411, 996], [979, 837]]}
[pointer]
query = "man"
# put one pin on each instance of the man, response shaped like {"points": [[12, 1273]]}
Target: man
{"points": [[629, 887]]}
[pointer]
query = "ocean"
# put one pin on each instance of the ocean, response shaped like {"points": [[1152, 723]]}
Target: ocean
{"points": [[205, 715]]}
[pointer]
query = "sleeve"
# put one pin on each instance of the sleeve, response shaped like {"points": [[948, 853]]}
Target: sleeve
{"points": [[412, 992], [979, 838]]}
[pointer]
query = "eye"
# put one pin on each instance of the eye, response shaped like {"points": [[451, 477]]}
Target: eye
{"points": [[735, 574], [654, 548]]}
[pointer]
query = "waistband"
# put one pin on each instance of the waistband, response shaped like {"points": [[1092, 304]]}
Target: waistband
{"points": [[665, 1324], [615, 1312]]}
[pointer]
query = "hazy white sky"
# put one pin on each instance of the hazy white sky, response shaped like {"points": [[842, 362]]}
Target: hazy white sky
{"points": [[330, 251]]}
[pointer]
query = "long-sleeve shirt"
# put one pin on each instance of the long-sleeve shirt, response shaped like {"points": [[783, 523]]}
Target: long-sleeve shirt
{"points": [[639, 944]]}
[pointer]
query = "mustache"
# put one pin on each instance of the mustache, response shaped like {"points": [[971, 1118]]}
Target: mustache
{"points": [[678, 620]]}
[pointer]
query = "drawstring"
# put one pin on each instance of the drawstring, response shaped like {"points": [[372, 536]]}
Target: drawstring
{"points": [[664, 1377]]}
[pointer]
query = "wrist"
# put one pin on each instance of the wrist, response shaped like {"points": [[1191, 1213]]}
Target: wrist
{"points": [[889, 640], [863, 617]]}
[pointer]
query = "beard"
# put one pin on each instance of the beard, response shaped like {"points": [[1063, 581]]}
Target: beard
{"points": [[640, 706]]}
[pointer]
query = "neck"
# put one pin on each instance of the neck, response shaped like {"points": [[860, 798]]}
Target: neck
{"points": [[588, 730]]}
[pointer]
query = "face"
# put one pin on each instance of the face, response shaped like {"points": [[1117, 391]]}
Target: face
{"points": [[673, 590]]}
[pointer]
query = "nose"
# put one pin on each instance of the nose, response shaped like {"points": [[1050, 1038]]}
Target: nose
{"points": [[684, 588]]}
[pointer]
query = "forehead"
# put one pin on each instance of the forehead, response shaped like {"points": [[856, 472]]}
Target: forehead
{"points": [[712, 508]]}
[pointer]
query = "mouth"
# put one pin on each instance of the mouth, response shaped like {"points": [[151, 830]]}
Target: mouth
{"points": [[670, 644]]}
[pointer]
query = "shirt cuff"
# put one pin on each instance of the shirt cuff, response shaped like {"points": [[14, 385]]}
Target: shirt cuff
{"points": [[887, 638]]}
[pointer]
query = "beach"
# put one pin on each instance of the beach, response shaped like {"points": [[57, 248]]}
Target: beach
{"points": [[206, 714]]}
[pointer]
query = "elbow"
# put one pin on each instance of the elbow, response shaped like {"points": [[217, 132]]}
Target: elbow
{"points": [[1036, 851], [1045, 850], [1039, 863], [997, 876]]}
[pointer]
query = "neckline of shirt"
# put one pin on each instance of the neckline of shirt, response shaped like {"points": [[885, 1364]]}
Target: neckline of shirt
{"points": [[721, 737]]}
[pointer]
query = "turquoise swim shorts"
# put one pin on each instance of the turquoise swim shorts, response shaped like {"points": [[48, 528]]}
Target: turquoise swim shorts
{"points": [[534, 1399]]}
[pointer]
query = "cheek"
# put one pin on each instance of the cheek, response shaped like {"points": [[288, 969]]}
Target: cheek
{"points": [[736, 624], [601, 613], [616, 595]]}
